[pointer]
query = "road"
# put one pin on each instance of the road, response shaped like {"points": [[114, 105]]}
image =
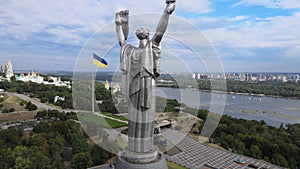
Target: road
{"points": [[45, 106], [37, 103]]}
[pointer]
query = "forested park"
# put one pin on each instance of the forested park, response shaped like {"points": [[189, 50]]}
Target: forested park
{"points": [[56, 142], [278, 145]]}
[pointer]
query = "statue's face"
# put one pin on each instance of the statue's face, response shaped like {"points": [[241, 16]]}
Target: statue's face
{"points": [[142, 33]]}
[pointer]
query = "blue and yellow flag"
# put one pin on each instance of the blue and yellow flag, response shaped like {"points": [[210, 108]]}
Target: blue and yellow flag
{"points": [[99, 61]]}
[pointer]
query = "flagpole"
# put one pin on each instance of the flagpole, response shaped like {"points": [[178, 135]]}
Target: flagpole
{"points": [[103, 64], [93, 92]]}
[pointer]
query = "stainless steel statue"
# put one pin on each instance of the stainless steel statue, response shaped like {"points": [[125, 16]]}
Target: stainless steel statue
{"points": [[140, 68]]}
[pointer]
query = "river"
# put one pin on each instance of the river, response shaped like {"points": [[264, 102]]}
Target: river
{"points": [[272, 110]]}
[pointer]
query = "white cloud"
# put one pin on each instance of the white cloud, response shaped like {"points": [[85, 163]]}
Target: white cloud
{"points": [[238, 18], [285, 4], [21, 19], [194, 6], [293, 52], [59, 28], [280, 31]]}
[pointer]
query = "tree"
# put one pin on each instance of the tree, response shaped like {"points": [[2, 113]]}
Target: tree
{"points": [[6, 160], [99, 155], [40, 143], [255, 151], [56, 151], [19, 151], [57, 144], [81, 161], [79, 144], [39, 160], [22, 163], [57, 161], [65, 129], [42, 127], [11, 136], [13, 79], [31, 106], [280, 160]]}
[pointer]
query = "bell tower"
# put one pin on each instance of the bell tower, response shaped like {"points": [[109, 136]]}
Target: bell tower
{"points": [[9, 70]]}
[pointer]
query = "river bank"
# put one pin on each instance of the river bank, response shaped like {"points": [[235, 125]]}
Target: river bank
{"points": [[237, 93], [273, 110]]}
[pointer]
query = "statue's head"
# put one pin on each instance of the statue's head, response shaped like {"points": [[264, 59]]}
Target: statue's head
{"points": [[142, 33]]}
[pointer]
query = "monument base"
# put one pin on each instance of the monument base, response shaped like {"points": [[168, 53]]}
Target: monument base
{"points": [[133, 160]]}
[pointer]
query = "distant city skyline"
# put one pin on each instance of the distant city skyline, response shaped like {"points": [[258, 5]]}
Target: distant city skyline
{"points": [[248, 35]]}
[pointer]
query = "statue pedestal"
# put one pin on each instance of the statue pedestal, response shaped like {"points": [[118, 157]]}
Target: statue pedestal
{"points": [[133, 160]]}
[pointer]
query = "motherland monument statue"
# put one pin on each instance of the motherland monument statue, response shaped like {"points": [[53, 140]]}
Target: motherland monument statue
{"points": [[140, 68]]}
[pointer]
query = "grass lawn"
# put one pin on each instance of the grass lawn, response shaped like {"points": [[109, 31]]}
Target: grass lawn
{"points": [[11, 101], [172, 165], [116, 117], [105, 122], [12, 117]]}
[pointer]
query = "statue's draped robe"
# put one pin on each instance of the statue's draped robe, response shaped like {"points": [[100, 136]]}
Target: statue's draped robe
{"points": [[138, 66]]}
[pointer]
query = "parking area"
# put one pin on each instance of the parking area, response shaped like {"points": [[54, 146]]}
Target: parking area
{"points": [[195, 155]]}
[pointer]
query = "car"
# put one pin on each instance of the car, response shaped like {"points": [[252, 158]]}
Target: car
{"points": [[252, 165], [240, 161]]}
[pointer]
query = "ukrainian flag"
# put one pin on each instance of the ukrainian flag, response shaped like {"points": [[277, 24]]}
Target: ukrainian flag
{"points": [[99, 61]]}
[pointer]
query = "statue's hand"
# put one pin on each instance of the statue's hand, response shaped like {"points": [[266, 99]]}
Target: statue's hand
{"points": [[122, 17], [170, 8], [118, 20]]}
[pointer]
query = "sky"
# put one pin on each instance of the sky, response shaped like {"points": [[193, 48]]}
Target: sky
{"points": [[247, 35]]}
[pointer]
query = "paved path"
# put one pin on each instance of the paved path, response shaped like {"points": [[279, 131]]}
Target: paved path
{"points": [[108, 117], [193, 154], [37, 103]]}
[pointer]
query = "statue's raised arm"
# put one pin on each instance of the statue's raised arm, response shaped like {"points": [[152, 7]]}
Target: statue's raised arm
{"points": [[122, 27], [163, 22]]}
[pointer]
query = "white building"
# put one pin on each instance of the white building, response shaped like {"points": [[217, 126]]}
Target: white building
{"points": [[2, 69], [194, 75], [9, 70], [57, 98], [297, 78], [199, 76], [56, 81], [106, 85], [262, 78], [30, 77], [36, 78], [284, 79]]}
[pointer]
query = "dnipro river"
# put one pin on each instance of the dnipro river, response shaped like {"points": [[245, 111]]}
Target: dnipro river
{"points": [[272, 110]]}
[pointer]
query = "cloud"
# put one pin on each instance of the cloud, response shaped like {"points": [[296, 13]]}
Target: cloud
{"points": [[284, 4], [292, 53], [51, 31], [25, 17], [269, 32], [194, 6], [237, 18], [245, 40]]}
